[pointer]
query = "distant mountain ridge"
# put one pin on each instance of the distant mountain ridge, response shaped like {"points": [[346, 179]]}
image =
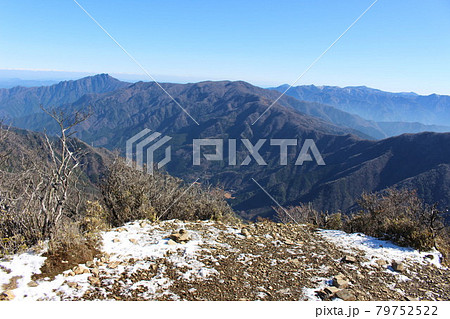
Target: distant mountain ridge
{"points": [[22, 101], [227, 110], [19, 102], [377, 105], [12, 82]]}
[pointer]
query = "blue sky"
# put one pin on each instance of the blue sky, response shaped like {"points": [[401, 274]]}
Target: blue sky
{"points": [[399, 45]]}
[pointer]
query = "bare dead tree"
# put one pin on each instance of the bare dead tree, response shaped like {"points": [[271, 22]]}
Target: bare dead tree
{"points": [[54, 192], [34, 195]]}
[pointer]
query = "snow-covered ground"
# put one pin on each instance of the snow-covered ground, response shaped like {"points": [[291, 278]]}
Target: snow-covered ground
{"points": [[140, 240], [139, 245], [379, 249]]}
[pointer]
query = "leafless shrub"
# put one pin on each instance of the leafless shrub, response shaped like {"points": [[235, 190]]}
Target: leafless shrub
{"points": [[38, 192], [398, 215], [66, 236], [306, 214], [94, 220], [334, 221], [130, 194], [301, 214]]}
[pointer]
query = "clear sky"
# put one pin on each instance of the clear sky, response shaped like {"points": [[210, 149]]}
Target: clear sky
{"points": [[399, 45]]}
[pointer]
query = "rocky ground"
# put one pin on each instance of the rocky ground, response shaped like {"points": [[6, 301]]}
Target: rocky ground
{"points": [[207, 260]]}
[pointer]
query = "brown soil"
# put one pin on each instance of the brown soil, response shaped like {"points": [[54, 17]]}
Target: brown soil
{"points": [[62, 260]]}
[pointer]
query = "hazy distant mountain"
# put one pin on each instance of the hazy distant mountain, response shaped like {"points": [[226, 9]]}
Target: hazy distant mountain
{"points": [[22, 101], [397, 128], [378, 105], [228, 109], [9, 83]]}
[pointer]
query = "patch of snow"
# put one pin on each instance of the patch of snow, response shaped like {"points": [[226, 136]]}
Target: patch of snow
{"points": [[379, 249], [309, 294]]}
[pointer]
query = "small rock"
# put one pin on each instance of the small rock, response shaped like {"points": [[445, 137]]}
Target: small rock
{"points": [[398, 266], [288, 242], [245, 232], [154, 267], [340, 281], [349, 259], [7, 295], [95, 281], [95, 272], [322, 295], [72, 284], [331, 290], [180, 236], [114, 264], [104, 259], [185, 237], [116, 240], [133, 241], [78, 270], [32, 284], [422, 290], [381, 262], [345, 295], [296, 262], [121, 230], [89, 264], [429, 256], [171, 242], [407, 298]]}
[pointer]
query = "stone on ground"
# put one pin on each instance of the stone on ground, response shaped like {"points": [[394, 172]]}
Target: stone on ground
{"points": [[345, 295], [80, 269], [349, 259], [340, 281], [181, 236], [398, 266]]}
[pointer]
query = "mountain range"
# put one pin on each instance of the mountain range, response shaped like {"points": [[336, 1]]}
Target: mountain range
{"points": [[431, 112], [22, 101], [355, 161]]}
